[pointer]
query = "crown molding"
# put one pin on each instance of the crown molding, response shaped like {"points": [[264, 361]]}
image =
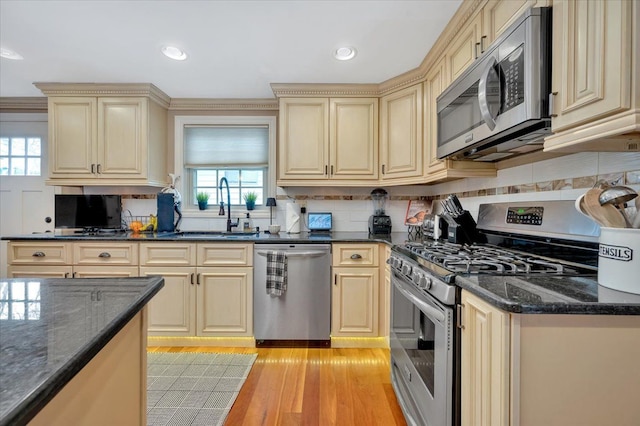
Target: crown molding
{"points": [[465, 12], [209, 104], [24, 104], [324, 89], [105, 89]]}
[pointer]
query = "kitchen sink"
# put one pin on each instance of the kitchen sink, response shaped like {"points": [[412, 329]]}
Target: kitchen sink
{"points": [[211, 235]]}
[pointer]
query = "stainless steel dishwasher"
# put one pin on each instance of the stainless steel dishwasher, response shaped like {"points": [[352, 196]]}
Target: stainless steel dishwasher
{"points": [[301, 316]]}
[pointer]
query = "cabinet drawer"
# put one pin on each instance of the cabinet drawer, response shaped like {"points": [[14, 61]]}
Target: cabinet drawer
{"points": [[39, 272], [167, 254], [103, 253], [38, 253], [225, 254], [355, 255]]}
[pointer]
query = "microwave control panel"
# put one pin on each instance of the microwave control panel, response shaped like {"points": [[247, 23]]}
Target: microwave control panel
{"points": [[525, 215], [512, 76]]}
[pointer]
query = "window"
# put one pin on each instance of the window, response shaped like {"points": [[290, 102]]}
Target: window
{"points": [[20, 156], [239, 149], [19, 300]]}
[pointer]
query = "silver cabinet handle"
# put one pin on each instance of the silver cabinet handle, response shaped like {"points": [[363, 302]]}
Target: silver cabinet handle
{"points": [[99, 169], [356, 256], [38, 254], [476, 49], [93, 168], [552, 100], [297, 254], [104, 254]]}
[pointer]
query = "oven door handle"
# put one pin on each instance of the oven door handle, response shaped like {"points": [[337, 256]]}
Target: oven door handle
{"points": [[424, 307]]}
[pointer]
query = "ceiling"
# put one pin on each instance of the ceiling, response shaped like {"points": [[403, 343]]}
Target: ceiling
{"points": [[236, 48]]}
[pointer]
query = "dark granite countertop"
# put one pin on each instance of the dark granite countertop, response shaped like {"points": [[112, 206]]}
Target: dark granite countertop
{"points": [[208, 236], [547, 294], [51, 328], [527, 295]]}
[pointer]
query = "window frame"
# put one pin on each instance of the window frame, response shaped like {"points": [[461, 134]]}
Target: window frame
{"points": [[26, 155], [185, 183]]}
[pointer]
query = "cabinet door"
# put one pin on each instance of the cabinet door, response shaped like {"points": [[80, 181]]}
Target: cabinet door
{"points": [[592, 50], [497, 15], [354, 309], [172, 311], [401, 133], [224, 302], [122, 137], [434, 85], [303, 143], [72, 137], [465, 48], [484, 364], [353, 138]]}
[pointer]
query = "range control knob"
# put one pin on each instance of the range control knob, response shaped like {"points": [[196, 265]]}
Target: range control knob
{"points": [[421, 281], [428, 283], [406, 269]]}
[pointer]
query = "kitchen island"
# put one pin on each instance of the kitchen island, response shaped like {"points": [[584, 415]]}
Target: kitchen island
{"points": [[74, 350]]}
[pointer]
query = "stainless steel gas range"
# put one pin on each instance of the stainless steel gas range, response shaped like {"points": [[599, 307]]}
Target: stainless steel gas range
{"points": [[523, 240]]}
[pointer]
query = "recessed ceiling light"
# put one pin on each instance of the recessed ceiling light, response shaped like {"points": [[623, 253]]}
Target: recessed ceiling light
{"points": [[345, 53], [10, 54], [174, 53]]}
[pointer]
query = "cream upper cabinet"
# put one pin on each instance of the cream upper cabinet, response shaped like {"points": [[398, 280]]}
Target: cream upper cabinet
{"points": [[497, 15], [595, 76], [465, 47], [327, 138], [106, 140], [353, 130], [485, 364], [482, 30], [401, 134]]}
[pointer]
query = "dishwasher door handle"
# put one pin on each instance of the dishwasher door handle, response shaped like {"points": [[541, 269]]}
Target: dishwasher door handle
{"points": [[297, 253]]}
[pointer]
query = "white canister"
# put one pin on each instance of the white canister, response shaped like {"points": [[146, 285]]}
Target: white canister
{"points": [[619, 259]]}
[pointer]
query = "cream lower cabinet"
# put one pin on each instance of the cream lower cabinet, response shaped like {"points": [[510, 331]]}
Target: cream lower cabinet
{"points": [[545, 369], [72, 260], [595, 78], [485, 364], [355, 291], [206, 301]]}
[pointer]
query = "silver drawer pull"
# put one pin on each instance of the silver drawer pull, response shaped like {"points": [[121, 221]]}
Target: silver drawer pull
{"points": [[356, 256], [104, 254], [38, 254]]}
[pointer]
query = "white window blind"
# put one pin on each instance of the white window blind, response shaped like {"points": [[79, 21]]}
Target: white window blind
{"points": [[226, 146]]}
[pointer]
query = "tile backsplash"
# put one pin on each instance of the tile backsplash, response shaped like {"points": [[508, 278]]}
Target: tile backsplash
{"points": [[561, 178]]}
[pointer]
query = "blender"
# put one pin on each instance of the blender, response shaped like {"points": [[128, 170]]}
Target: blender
{"points": [[379, 222]]}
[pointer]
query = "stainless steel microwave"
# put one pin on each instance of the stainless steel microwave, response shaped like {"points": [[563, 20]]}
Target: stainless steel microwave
{"points": [[499, 106]]}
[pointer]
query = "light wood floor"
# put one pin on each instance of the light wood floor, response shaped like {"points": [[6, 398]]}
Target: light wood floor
{"points": [[313, 387]]}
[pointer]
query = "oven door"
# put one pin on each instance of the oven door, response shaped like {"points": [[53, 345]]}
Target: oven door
{"points": [[422, 347]]}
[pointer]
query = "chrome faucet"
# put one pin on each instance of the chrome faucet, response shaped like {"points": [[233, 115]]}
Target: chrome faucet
{"points": [[230, 224]]}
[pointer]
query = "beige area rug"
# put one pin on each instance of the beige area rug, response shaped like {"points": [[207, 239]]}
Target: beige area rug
{"points": [[193, 388]]}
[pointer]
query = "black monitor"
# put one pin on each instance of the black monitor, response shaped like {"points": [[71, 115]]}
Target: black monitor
{"points": [[88, 211]]}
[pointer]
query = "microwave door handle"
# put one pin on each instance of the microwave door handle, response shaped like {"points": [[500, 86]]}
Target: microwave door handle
{"points": [[482, 95]]}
